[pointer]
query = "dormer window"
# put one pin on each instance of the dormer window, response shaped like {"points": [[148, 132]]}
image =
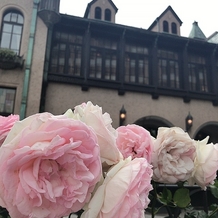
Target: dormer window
{"points": [[165, 26], [107, 14], [98, 13], [101, 10], [174, 28]]}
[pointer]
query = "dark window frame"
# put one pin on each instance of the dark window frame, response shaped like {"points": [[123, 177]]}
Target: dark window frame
{"points": [[168, 69], [136, 64], [5, 107], [174, 28], [165, 26], [98, 13], [198, 73], [107, 14], [66, 54], [103, 61], [12, 30]]}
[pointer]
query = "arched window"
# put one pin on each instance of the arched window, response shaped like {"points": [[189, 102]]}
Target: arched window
{"points": [[174, 28], [165, 26], [152, 123], [12, 28], [107, 14], [98, 13]]}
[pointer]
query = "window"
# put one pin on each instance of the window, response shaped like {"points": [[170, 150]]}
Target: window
{"points": [[103, 59], [174, 28], [107, 15], [7, 98], [66, 54], [98, 13], [165, 26], [168, 69], [197, 73], [136, 64], [12, 28]]}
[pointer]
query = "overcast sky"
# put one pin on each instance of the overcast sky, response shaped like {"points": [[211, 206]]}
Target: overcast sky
{"points": [[142, 13]]}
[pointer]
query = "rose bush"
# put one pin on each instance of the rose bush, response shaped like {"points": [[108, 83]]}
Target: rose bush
{"points": [[92, 116], [134, 141], [52, 166], [173, 155], [49, 166], [205, 164], [6, 123], [124, 192]]}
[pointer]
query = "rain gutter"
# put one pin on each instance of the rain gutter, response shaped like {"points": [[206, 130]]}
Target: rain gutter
{"points": [[29, 60]]}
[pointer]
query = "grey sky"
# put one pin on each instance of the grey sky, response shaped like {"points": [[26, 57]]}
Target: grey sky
{"points": [[143, 12]]}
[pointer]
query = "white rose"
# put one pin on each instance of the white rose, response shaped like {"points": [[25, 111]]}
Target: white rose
{"points": [[205, 164], [173, 156], [92, 116]]}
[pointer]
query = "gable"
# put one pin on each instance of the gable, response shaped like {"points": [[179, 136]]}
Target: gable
{"points": [[94, 2], [166, 13]]}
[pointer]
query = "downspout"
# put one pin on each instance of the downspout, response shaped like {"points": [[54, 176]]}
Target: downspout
{"points": [[29, 60]]}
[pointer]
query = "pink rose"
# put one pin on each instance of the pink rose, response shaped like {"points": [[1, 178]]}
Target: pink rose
{"points": [[6, 123], [205, 164], [124, 192], [173, 156], [101, 123], [49, 166], [134, 141]]}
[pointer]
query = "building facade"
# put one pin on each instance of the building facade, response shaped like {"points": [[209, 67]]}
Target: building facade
{"points": [[158, 76]]}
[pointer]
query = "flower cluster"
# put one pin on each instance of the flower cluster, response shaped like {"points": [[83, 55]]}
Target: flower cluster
{"points": [[178, 158], [54, 165]]}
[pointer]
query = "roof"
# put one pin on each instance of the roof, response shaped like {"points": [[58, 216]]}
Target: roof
{"points": [[213, 38], [169, 8], [92, 2], [196, 32]]}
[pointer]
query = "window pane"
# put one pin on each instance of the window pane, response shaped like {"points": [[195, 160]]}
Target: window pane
{"points": [[95, 64], [162, 72], [110, 67], [127, 68], [7, 97], [7, 28], [20, 19], [64, 36], [14, 17], [143, 71], [75, 39], [74, 62], [17, 29], [15, 42], [104, 43], [132, 70], [7, 17], [5, 42]]}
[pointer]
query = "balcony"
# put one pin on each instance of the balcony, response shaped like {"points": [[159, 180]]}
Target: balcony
{"points": [[10, 60]]}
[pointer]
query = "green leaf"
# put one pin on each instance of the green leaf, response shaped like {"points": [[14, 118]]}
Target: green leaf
{"points": [[181, 197], [214, 189], [165, 197], [202, 214], [213, 207], [196, 214], [7, 54]]}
